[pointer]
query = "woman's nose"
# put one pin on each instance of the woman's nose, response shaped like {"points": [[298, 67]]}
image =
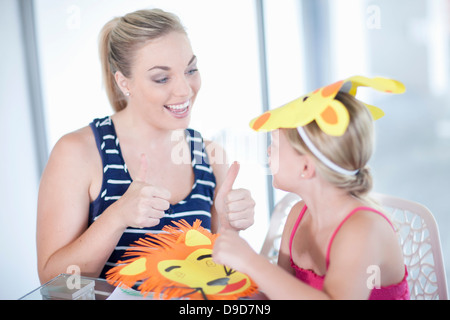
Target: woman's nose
{"points": [[182, 87]]}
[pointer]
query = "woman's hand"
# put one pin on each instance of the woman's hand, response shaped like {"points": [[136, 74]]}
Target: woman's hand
{"points": [[235, 207], [142, 205]]}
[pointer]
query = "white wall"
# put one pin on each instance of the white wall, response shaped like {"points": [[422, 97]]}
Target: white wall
{"points": [[19, 184]]}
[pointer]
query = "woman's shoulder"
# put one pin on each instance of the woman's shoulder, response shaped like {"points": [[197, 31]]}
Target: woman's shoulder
{"points": [[74, 152], [79, 142], [72, 161]]}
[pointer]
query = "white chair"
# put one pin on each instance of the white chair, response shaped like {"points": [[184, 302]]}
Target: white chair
{"points": [[271, 245], [418, 236]]}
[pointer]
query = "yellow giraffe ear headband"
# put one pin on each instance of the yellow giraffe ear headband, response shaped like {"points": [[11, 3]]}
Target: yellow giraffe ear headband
{"points": [[320, 105], [330, 115]]}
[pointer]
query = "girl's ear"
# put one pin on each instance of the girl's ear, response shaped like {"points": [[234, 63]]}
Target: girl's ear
{"points": [[122, 82], [309, 168]]}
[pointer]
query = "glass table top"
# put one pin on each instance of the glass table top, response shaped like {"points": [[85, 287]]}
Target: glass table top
{"points": [[71, 287]]}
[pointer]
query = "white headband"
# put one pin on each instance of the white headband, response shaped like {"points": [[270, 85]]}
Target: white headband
{"points": [[322, 157]]}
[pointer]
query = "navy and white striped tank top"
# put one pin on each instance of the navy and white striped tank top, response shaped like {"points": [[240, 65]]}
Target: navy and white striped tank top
{"points": [[116, 180]]}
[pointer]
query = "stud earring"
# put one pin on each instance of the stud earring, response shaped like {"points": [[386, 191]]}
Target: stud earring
{"points": [[127, 94], [302, 175]]}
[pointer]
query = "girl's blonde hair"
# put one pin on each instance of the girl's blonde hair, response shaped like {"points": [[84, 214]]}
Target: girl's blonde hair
{"points": [[121, 37], [351, 151]]}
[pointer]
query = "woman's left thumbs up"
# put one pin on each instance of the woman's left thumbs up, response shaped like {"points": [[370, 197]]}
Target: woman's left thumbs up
{"points": [[235, 207]]}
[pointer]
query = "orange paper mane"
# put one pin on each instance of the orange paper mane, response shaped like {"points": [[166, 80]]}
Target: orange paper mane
{"points": [[179, 264]]}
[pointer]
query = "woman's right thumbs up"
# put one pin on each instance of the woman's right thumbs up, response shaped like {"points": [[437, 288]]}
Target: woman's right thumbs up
{"points": [[143, 204]]}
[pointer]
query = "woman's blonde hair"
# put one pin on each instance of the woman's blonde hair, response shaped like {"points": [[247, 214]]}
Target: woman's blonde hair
{"points": [[121, 37], [351, 151]]}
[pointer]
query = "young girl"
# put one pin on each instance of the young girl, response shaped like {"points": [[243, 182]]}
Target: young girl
{"points": [[334, 241], [109, 183]]}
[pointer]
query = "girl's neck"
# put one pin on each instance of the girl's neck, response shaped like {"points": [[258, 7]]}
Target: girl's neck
{"points": [[328, 205]]}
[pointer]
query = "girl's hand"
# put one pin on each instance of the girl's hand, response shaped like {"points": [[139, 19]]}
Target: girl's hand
{"points": [[143, 205], [233, 251], [235, 207]]}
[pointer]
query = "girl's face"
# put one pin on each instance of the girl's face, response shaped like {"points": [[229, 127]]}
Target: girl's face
{"points": [[165, 81], [284, 161]]}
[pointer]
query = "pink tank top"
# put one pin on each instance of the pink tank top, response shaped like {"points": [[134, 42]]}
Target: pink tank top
{"points": [[398, 291]]}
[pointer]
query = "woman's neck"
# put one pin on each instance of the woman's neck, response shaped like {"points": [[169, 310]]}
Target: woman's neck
{"points": [[137, 136], [137, 126]]}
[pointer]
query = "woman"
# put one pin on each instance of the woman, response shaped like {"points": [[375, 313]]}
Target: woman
{"points": [[97, 196]]}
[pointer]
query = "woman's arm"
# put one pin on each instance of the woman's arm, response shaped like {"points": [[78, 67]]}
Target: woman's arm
{"points": [[63, 238]]}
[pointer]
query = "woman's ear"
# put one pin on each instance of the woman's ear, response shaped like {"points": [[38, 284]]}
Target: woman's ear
{"points": [[122, 83]]}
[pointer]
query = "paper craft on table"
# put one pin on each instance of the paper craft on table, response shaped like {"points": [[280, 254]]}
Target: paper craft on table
{"points": [[178, 264]]}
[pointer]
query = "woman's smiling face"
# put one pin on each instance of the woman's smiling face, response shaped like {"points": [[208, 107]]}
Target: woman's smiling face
{"points": [[164, 81]]}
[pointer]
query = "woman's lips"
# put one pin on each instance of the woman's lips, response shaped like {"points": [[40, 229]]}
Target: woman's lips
{"points": [[179, 110]]}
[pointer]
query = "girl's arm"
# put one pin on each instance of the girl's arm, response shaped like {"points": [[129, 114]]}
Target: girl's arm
{"points": [[275, 282], [357, 247]]}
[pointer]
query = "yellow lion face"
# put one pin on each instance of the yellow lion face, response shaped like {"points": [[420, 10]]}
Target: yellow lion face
{"points": [[198, 270], [179, 264]]}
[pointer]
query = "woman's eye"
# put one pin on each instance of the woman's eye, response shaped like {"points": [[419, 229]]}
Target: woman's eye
{"points": [[192, 71], [162, 80]]}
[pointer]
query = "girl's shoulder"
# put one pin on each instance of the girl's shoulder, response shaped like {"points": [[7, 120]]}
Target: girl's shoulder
{"points": [[368, 221], [294, 213], [291, 219], [365, 231]]}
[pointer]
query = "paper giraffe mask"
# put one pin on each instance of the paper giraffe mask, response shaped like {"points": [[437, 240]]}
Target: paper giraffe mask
{"points": [[320, 106]]}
